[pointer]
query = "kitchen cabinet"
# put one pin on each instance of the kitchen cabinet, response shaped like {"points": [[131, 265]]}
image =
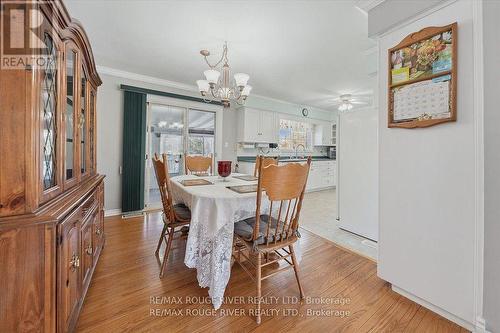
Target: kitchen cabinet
{"points": [[325, 134], [257, 126], [322, 174]]}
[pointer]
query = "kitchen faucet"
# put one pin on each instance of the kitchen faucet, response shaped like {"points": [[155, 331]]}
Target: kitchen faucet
{"points": [[297, 150]]}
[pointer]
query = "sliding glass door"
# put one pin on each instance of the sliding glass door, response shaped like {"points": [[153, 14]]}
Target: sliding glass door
{"points": [[175, 131], [201, 132]]}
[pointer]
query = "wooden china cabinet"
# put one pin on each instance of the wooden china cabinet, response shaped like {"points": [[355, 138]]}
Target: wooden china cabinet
{"points": [[51, 197]]}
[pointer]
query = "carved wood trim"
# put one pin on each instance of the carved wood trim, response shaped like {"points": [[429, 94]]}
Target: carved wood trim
{"points": [[71, 28]]}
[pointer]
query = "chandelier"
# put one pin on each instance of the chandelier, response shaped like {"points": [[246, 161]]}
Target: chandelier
{"points": [[220, 85]]}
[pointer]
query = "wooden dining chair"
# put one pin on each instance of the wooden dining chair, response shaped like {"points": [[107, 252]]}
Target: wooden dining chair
{"points": [[264, 161], [277, 230], [197, 165], [175, 217]]}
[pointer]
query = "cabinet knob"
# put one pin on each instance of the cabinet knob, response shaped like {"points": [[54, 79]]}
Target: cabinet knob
{"points": [[98, 231], [89, 250]]}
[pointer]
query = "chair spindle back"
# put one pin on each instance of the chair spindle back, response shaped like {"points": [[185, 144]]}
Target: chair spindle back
{"points": [[285, 186]]}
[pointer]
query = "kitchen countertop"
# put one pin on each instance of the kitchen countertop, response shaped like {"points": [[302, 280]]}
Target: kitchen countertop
{"points": [[284, 159]]}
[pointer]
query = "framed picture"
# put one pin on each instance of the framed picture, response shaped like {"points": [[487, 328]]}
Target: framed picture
{"points": [[422, 78]]}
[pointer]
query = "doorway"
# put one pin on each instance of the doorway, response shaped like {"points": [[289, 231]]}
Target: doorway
{"points": [[175, 131]]}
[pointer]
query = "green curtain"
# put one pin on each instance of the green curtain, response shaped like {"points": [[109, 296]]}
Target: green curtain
{"points": [[134, 151]]}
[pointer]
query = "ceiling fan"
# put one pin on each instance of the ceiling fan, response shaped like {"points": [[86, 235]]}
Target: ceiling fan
{"points": [[346, 102]]}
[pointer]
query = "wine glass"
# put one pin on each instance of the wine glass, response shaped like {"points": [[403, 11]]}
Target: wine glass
{"points": [[224, 169]]}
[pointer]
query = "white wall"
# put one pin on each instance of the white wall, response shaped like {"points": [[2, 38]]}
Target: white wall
{"points": [[491, 29], [110, 127], [427, 184]]}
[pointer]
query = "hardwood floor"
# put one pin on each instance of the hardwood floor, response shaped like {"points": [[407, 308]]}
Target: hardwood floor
{"points": [[125, 290]]}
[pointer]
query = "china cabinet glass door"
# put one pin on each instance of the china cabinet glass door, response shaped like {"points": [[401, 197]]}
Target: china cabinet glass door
{"points": [[49, 117], [83, 124], [69, 116], [92, 131]]}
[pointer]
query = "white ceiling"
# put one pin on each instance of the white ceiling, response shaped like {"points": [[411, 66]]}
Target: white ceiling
{"points": [[305, 52]]}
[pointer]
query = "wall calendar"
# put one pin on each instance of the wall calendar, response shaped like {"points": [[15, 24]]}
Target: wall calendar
{"points": [[422, 78]]}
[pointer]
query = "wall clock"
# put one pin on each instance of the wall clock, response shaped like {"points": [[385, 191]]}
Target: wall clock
{"points": [[305, 112]]}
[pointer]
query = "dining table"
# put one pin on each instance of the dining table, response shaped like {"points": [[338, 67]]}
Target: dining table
{"points": [[214, 210]]}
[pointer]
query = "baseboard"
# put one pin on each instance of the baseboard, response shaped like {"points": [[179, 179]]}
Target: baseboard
{"points": [[321, 189], [481, 325], [129, 215], [112, 212], [433, 308]]}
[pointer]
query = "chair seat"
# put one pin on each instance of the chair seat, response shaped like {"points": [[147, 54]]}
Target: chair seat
{"points": [[244, 228], [182, 212]]}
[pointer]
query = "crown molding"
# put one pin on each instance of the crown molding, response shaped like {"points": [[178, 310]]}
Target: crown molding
{"points": [[104, 70], [416, 17], [301, 106], [367, 5], [144, 78]]}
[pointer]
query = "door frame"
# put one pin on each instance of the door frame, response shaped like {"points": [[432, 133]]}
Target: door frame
{"points": [[188, 105]]}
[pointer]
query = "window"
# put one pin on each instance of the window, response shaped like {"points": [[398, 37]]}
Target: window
{"points": [[293, 133], [201, 133]]}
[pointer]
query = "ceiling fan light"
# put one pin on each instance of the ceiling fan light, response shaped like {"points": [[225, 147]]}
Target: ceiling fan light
{"points": [[246, 90], [345, 107], [241, 79], [212, 75], [203, 86]]}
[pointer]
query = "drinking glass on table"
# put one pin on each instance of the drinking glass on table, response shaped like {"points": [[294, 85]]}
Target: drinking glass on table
{"points": [[224, 169]]}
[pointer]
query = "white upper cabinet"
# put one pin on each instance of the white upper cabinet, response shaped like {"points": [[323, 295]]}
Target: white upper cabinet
{"points": [[257, 126], [325, 134], [269, 126]]}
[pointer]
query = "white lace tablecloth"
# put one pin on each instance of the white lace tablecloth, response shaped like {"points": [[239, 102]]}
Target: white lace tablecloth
{"points": [[214, 210]]}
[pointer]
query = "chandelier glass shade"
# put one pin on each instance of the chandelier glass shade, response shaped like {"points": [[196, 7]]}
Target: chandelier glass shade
{"points": [[219, 83]]}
